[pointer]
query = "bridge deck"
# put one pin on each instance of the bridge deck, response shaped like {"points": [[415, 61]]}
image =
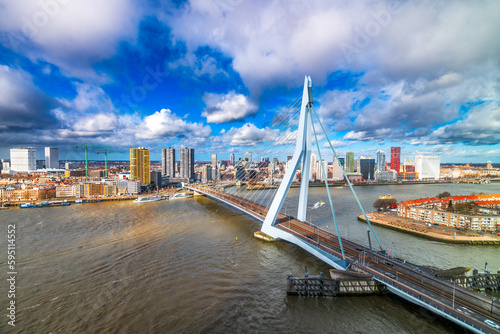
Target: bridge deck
{"points": [[458, 304]]}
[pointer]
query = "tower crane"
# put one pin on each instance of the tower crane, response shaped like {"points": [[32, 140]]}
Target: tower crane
{"points": [[86, 156], [105, 152]]}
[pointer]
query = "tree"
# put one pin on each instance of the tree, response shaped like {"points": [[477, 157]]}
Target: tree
{"points": [[444, 194], [450, 206], [382, 204]]}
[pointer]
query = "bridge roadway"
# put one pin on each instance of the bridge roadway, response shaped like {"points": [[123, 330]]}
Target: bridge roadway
{"points": [[464, 307]]}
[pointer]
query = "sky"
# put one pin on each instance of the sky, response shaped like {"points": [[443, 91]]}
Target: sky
{"points": [[213, 74]]}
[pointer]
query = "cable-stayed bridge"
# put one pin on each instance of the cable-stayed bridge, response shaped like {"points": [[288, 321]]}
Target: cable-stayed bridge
{"points": [[466, 308]]}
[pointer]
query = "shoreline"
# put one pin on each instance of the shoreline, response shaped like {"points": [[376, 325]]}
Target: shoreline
{"points": [[419, 229]]}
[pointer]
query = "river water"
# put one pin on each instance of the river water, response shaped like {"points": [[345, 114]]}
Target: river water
{"points": [[175, 266]]}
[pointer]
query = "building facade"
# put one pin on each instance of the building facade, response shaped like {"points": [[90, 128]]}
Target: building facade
{"points": [[187, 163], [338, 165], [168, 162], [23, 159], [380, 161], [427, 167], [140, 165], [367, 168], [322, 171], [433, 211], [349, 162], [386, 176], [396, 158], [51, 157], [206, 175]]}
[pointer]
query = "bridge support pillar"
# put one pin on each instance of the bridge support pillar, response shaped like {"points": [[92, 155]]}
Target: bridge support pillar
{"points": [[302, 154]]}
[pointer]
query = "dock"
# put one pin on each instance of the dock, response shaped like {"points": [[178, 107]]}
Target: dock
{"points": [[340, 283]]}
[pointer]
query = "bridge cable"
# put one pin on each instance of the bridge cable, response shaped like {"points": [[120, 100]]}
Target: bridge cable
{"points": [[326, 184], [281, 150], [286, 138], [347, 180]]}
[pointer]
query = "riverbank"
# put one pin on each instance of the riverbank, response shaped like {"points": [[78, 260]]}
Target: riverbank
{"points": [[16, 204], [436, 233]]}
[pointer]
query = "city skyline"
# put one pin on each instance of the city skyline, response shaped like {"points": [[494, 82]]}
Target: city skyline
{"points": [[391, 73]]}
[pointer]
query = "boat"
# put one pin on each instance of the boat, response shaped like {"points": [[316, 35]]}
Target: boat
{"points": [[149, 198], [58, 203], [180, 196], [44, 204], [78, 201]]}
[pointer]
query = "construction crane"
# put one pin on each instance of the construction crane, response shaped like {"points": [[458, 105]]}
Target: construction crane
{"points": [[86, 156], [105, 152]]}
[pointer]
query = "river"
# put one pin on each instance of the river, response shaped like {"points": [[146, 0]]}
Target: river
{"points": [[176, 266]]}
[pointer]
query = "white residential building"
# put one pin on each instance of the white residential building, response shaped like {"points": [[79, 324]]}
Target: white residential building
{"points": [[23, 159], [427, 167], [52, 157]]}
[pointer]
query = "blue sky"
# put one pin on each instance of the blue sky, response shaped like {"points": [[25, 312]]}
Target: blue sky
{"points": [[212, 74]]}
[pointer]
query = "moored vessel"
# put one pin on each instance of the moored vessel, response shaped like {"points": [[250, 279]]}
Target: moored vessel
{"points": [[148, 198], [180, 196]]}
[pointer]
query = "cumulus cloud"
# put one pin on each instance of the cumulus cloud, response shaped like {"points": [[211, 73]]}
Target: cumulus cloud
{"points": [[73, 35], [335, 105], [227, 107], [165, 124], [480, 127], [419, 61], [273, 42], [247, 135]]}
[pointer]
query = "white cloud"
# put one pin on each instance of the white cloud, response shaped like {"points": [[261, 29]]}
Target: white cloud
{"points": [[165, 124], [70, 34], [334, 105], [89, 98], [247, 135], [479, 127], [227, 107], [97, 123], [276, 42]]}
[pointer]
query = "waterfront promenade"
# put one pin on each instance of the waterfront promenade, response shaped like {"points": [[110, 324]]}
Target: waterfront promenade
{"points": [[422, 229]]}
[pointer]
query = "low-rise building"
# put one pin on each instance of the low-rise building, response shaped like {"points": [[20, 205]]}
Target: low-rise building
{"points": [[19, 194], [66, 191], [433, 210]]}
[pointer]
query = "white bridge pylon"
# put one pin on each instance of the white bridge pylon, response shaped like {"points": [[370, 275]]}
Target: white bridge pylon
{"points": [[302, 154]]}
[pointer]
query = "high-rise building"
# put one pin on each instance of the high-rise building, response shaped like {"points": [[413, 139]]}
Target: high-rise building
{"points": [[215, 174], [214, 160], [380, 161], [51, 157], [206, 173], [337, 166], [187, 163], [322, 172], [248, 156], [231, 159], [396, 158], [427, 167], [23, 159], [240, 173], [367, 168], [168, 161], [349, 162], [313, 165], [140, 165]]}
